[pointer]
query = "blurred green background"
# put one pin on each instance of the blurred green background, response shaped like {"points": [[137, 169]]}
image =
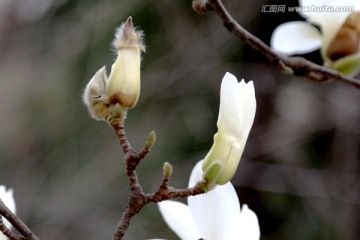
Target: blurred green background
{"points": [[300, 169]]}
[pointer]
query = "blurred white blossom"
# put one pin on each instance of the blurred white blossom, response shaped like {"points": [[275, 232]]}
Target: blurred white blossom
{"points": [[7, 196], [213, 215], [299, 37]]}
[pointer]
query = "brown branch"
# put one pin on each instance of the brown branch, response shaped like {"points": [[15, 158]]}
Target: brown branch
{"points": [[138, 199], [294, 65], [17, 224], [7, 232]]}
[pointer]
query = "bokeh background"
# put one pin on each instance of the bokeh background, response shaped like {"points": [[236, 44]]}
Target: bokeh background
{"points": [[299, 172]]}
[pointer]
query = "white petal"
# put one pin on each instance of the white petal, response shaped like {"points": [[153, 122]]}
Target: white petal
{"points": [[179, 218], [249, 224], [248, 109], [237, 105], [196, 174], [295, 38], [228, 101], [216, 211], [7, 196]]}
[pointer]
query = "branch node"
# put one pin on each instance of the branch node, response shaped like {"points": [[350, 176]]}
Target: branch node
{"points": [[201, 6], [7, 232], [286, 69]]}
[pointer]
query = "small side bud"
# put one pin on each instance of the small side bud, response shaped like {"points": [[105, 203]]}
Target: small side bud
{"points": [[94, 96], [211, 175], [286, 69], [167, 170], [150, 141], [199, 6]]}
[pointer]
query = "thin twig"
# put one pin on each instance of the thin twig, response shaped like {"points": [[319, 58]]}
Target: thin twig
{"points": [[165, 193], [16, 222], [295, 65], [138, 199]]}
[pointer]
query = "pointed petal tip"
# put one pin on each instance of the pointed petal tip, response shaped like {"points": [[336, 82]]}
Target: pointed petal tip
{"points": [[103, 69], [232, 77], [251, 84], [129, 21], [229, 76], [250, 223], [243, 82], [229, 82]]}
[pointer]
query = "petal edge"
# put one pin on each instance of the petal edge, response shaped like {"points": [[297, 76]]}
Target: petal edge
{"points": [[304, 38], [178, 217]]}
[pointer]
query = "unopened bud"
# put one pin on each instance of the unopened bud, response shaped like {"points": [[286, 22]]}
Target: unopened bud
{"points": [[167, 169], [343, 52], [124, 81], [236, 116], [150, 140], [346, 41]]}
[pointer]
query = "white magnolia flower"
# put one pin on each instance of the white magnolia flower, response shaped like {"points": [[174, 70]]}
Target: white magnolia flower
{"points": [[7, 196], [215, 215], [301, 37], [236, 117]]}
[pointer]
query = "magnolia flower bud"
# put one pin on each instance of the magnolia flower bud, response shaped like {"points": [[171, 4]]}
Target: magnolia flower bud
{"points": [[94, 96], [343, 52], [347, 39], [236, 116], [336, 33], [124, 81]]}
